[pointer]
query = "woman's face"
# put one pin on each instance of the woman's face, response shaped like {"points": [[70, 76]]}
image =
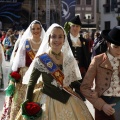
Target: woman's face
{"points": [[56, 40], [114, 50], [74, 30], [36, 30]]}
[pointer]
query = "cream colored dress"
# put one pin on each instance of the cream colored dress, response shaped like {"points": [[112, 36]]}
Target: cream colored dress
{"points": [[74, 109], [53, 109]]}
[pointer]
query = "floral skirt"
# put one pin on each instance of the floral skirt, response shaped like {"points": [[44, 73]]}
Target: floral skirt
{"points": [[6, 108], [19, 96], [74, 109]]}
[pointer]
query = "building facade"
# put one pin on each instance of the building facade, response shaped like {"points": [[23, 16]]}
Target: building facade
{"points": [[49, 11], [87, 11], [109, 10]]}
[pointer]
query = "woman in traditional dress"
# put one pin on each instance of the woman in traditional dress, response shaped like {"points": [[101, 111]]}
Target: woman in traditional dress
{"points": [[28, 47], [58, 67]]}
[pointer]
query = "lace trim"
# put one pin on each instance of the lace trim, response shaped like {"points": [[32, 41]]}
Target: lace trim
{"points": [[69, 69], [40, 66]]}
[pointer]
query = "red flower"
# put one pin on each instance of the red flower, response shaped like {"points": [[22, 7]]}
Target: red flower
{"points": [[32, 108], [15, 75]]}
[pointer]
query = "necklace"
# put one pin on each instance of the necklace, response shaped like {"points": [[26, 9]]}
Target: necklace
{"points": [[57, 56], [35, 50], [35, 42]]}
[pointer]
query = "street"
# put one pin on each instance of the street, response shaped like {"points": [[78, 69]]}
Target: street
{"points": [[2, 95]]}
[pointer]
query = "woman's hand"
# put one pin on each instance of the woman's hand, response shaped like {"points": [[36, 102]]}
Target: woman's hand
{"points": [[107, 108]]}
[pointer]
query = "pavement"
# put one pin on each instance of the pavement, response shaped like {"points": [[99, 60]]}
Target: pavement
{"points": [[2, 94], [90, 107]]}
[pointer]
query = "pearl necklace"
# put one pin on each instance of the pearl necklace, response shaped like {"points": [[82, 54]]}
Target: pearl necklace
{"points": [[35, 50], [35, 42]]}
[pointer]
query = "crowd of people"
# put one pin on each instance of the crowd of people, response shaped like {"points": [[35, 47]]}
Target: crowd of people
{"points": [[53, 72]]}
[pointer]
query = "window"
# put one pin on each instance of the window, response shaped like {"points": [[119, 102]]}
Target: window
{"points": [[88, 16], [107, 9], [107, 6], [108, 1], [107, 25], [77, 14], [113, 4], [88, 2]]}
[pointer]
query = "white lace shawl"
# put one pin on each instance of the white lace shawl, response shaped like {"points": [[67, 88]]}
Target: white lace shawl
{"points": [[41, 67]]}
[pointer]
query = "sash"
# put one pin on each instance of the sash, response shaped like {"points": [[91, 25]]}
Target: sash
{"points": [[56, 73], [29, 50]]}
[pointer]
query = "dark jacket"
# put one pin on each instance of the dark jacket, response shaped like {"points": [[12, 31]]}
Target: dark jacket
{"points": [[81, 53]]}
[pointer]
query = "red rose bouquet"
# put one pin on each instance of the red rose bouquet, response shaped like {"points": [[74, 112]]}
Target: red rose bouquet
{"points": [[31, 110], [14, 76]]}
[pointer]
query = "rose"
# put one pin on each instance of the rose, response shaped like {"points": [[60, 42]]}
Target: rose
{"points": [[15, 75], [32, 108]]}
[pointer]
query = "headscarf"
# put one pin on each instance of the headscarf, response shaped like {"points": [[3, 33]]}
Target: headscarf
{"points": [[70, 67], [19, 60]]}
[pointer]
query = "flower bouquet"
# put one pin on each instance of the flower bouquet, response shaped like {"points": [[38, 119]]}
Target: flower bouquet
{"points": [[13, 77], [31, 110]]}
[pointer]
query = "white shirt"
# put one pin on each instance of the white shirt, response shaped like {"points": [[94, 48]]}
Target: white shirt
{"points": [[75, 40]]}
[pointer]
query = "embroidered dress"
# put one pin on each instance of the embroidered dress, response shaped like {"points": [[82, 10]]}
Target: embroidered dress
{"points": [[22, 61], [12, 103], [56, 103], [20, 89], [18, 95]]}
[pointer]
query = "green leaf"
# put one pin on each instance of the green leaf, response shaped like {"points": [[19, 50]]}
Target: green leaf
{"points": [[11, 78], [10, 90], [67, 27]]}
